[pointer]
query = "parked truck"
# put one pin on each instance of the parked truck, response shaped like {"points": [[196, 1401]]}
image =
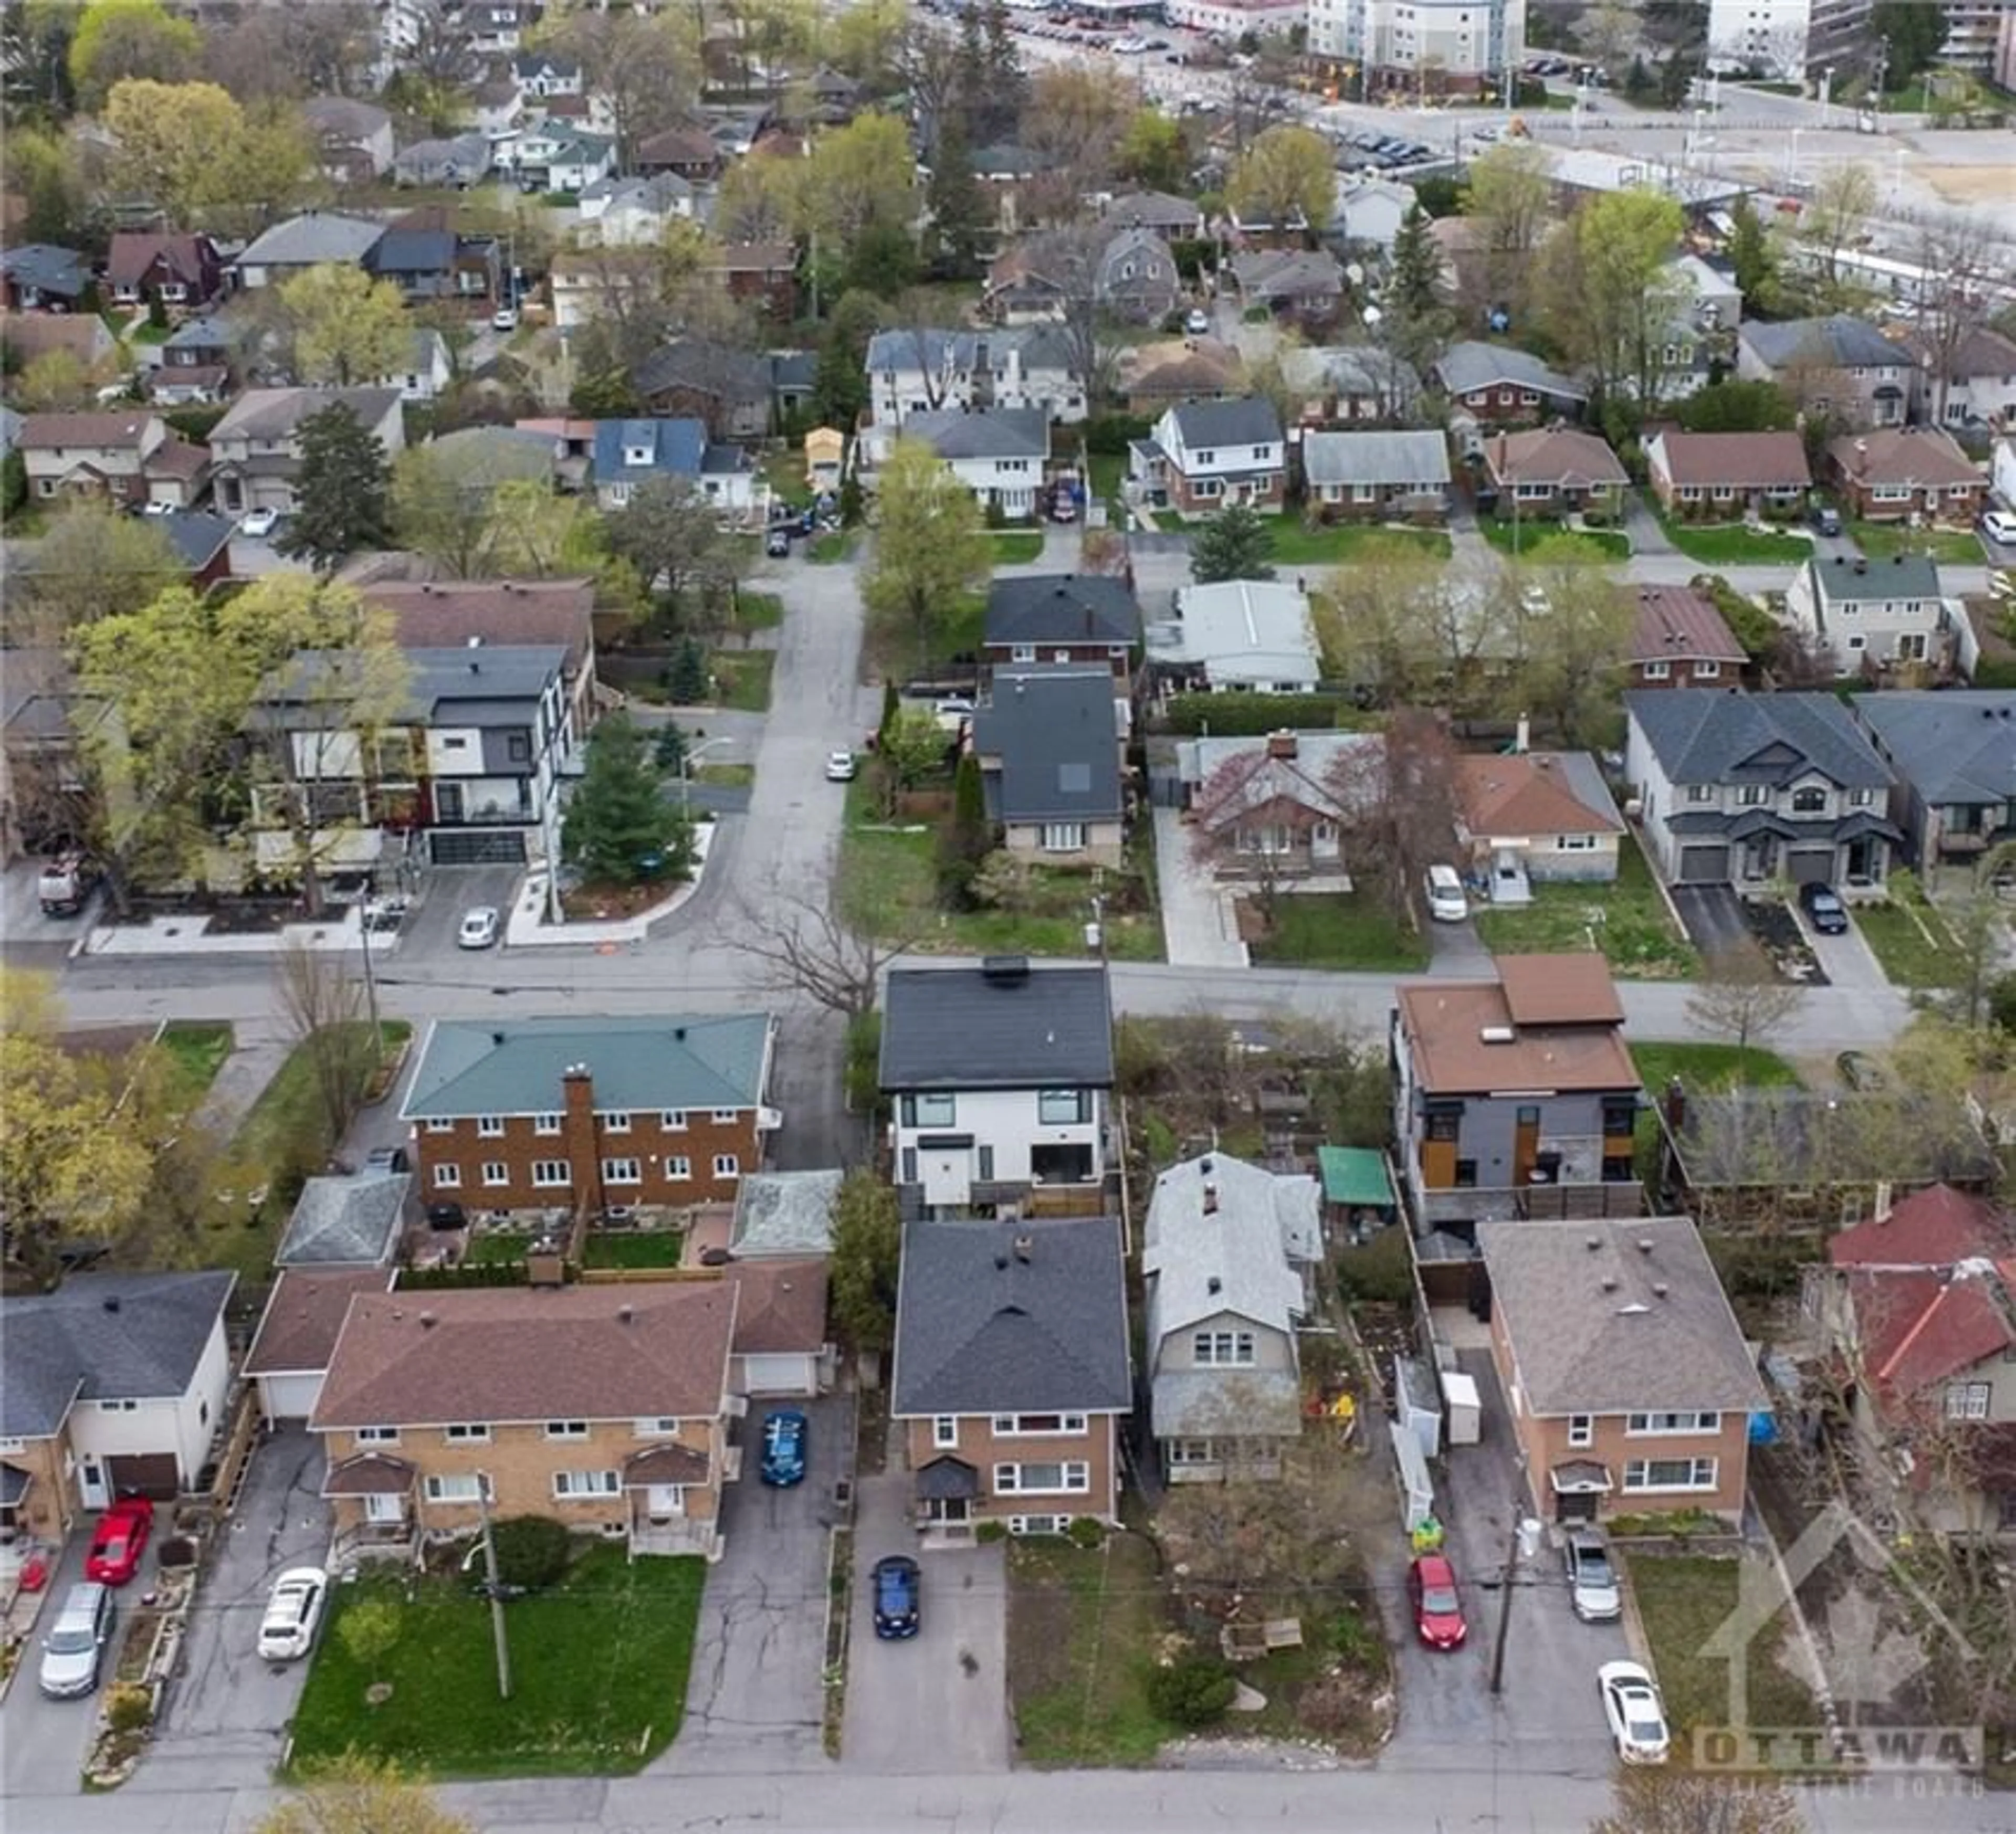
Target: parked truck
{"points": [[66, 884]]}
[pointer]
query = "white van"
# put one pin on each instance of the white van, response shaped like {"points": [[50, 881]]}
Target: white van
{"points": [[1446, 902]]}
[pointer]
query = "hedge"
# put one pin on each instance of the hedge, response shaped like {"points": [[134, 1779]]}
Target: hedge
{"points": [[1249, 716]]}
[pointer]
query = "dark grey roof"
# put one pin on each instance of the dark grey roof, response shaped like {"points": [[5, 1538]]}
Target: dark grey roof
{"points": [[1028, 1316], [1062, 608], [412, 251], [477, 684], [342, 1222], [46, 268], [1702, 737], [1248, 422], [1157, 210], [991, 432], [1958, 746], [1054, 727], [103, 1337], [1004, 1024], [1850, 580], [702, 366], [1841, 341], [196, 537], [1377, 457], [1471, 365]]}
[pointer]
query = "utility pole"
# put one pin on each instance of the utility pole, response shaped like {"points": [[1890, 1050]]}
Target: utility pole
{"points": [[370, 980], [496, 1588], [1525, 1533]]}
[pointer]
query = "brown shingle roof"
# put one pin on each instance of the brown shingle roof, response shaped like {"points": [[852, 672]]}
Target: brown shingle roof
{"points": [[1566, 989], [665, 1465], [1554, 455], [82, 335], [128, 427], [1525, 794], [783, 1306], [134, 251], [583, 1353], [446, 614], [1740, 461], [1904, 456], [1445, 1022], [1677, 624], [756, 258], [304, 1317]]}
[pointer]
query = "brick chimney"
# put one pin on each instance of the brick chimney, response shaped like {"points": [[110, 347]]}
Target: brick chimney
{"points": [[1281, 745], [579, 1137]]}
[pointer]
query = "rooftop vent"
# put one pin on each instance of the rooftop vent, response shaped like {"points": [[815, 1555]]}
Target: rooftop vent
{"points": [[112, 1302], [1644, 1245], [1497, 1034], [1210, 1200], [1001, 1263], [1634, 1309], [626, 1314], [1024, 1244], [1661, 1289], [1609, 1282], [1004, 970], [1592, 1242], [1214, 1285], [428, 1320]]}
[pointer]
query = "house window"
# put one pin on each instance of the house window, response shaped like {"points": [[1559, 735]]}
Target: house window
{"points": [[586, 1483], [376, 1436], [1707, 671], [1023, 653], [727, 1165], [1033, 1426], [1669, 1474], [1860, 798], [455, 1487], [567, 1429], [1581, 1431], [1443, 1123], [1754, 795], [475, 1434], [1638, 1424], [1063, 1108], [726, 1117], [448, 1177], [1809, 800], [910, 1165], [930, 1111], [1658, 671], [616, 1121], [495, 1172], [1700, 793], [678, 1167], [519, 749], [655, 1426], [945, 1432], [490, 1127], [1620, 1115], [552, 1174], [440, 1127], [985, 1169], [1070, 1476], [1967, 1400], [1064, 837], [119, 1407], [1223, 1350], [622, 1171], [673, 1121], [1206, 487], [1575, 843], [545, 1123], [1207, 458]]}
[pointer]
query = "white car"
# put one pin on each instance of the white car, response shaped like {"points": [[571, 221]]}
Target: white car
{"points": [[1637, 1717], [1592, 1580], [1198, 323], [840, 767], [1447, 902], [479, 928], [292, 1612], [259, 523], [1999, 526], [504, 318]]}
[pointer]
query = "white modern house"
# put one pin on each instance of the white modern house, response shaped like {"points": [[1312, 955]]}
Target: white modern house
{"points": [[925, 372], [1001, 454]]}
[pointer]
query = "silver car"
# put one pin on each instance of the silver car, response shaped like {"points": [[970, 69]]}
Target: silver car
{"points": [[479, 928], [1592, 1580], [75, 1645]]}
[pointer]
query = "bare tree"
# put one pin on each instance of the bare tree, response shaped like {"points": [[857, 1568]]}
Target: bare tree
{"points": [[1669, 1800], [324, 1009], [1741, 997], [1964, 272], [1399, 804], [832, 951]]}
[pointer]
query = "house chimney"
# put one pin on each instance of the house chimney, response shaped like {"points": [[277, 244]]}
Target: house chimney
{"points": [[1213, 1286], [1861, 457], [1522, 736], [1024, 1244], [1210, 1200], [1592, 1243], [1281, 745], [626, 1314], [1676, 1105], [578, 1135]]}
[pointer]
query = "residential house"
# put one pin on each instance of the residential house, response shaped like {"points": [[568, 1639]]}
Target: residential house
{"points": [[605, 1407], [1975, 384], [39, 277], [310, 240], [1841, 367], [1230, 1254], [1740, 788], [1376, 476], [1715, 302], [83, 337], [497, 112], [1273, 808], [126, 456], [195, 363], [1680, 640], [1018, 291], [43, 783], [1000, 1077], [835, 96], [1049, 740], [925, 372], [428, 261], [1155, 377], [1515, 1098], [114, 1385], [570, 1115], [1348, 385], [497, 27], [1002, 454], [628, 453], [457, 161], [637, 213], [1873, 617], [256, 445], [1084, 618], [727, 389], [1954, 758], [1548, 814], [1011, 1371], [1204, 454], [763, 275], [785, 1216], [1630, 1385], [1368, 213], [290, 1355], [427, 368], [353, 1221], [556, 155], [184, 272], [201, 543], [1897, 473], [1136, 279], [355, 137], [1172, 219], [1293, 284], [1555, 471], [1012, 180], [1727, 477], [1493, 385], [542, 76], [691, 153], [1236, 636], [1916, 1308]]}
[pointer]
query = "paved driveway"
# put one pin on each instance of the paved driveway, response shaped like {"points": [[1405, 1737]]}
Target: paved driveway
{"points": [[1198, 929], [936, 1705], [43, 1741], [226, 1710], [1713, 917], [755, 1697], [1846, 961]]}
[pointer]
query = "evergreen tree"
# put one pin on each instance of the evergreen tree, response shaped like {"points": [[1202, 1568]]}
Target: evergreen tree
{"points": [[685, 674], [968, 838], [959, 212], [342, 491], [1753, 261], [1418, 320], [669, 752], [620, 830], [1233, 544], [892, 708], [1676, 80]]}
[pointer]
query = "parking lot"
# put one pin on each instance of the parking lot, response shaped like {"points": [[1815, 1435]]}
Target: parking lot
{"points": [[46, 1740]]}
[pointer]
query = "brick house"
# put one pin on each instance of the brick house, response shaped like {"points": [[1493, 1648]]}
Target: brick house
{"points": [[1629, 1384], [1554, 471], [603, 1406], [1723, 476], [1679, 640], [761, 274], [1270, 808], [184, 272], [1010, 1373], [1377, 476], [607, 1113], [1890, 474], [1493, 385], [1062, 618], [1205, 454]]}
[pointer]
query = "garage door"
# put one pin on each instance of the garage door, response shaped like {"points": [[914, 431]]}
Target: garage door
{"points": [[477, 847], [1810, 865], [1704, 864], [780, 1374], [289, 1397], [143, 1474]]}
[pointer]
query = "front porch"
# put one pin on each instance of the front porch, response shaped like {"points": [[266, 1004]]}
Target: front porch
{"points": [[660, 1486]]}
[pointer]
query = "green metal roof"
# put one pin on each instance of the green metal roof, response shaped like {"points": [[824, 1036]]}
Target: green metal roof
{"points": [[1354, 1174]]}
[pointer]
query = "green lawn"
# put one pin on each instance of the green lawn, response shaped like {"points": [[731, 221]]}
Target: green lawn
{"points": [[725, 776], [1106, 472], [1523, 536], [744, 676], [1880, 540], [834, 547], [194, 1051], [1017, 547], [1910, 957], [1731, 544], [1628, 921], [141, 332], [1337, 929], [598, 1673], [1298, 543], [643, 1248], [758, 611], [1082, 1627], [495, 1248], [784, 471], [1711, 1066], [1681, 1601]]}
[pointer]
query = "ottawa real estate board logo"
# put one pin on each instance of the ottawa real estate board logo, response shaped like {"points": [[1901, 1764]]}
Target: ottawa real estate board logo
{"points": [[1857, 1660]]}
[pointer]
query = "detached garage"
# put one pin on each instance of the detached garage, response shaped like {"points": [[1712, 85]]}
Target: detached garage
{"points": [[289, 1356], [780, 1344]]}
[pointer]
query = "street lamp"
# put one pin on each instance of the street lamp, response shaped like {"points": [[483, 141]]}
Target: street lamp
{"points": [[685, 771], [1826, 92]]}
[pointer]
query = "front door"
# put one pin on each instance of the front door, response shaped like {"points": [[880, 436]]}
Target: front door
{"points": [[662, 1501], [92, 1485], [385, 1511], [1575, 1505], [1525, 1144], [947, 1174], [949, 1511]]}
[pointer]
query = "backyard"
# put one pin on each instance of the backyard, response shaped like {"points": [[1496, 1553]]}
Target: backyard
{"points": [[1628, 921], [1332, 929], [598, 1670]]}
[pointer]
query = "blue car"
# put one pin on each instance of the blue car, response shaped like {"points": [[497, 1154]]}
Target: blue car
{"points": [[898, 1587], [784, 1448]]}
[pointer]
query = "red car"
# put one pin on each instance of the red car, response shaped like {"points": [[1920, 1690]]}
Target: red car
{"points": [[119, 1540], [1438, 1611]]}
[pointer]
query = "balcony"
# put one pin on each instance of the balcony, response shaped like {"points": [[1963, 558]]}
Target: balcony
{"points": [[1586, 1200]]}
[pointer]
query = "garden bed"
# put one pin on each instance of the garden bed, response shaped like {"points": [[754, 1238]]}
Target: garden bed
{"points": [[1780, 937]]}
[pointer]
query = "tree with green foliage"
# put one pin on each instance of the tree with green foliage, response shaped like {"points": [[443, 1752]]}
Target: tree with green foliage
{"points": [[370, 1630], [840, 387], [13, 483], [670, 533], [1615, 301], [910, 748], [959, 211], [44, 172], [1753, 256], [858, 179], [347, 329], [195, 153], [668, 749], [1418, 324], [1914, 34], [92, 563], [1288, 173], [686, 680], [930, 550], [1831, 225], [867, 1245], [342, 490], [1676, 80], [1510, 195], [118, 39], [1737, 406], [969, 837], [1233, 544], [619, 828], [1152, 153]]}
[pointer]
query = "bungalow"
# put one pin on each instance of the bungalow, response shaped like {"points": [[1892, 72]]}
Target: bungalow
{"points": [[1348, 385], [27, 337], [457, 162], [1161, 377], [1900, 473], [1549, 813], [39, 277], [195, 363], [184, 272], [1555, 472], [311, 240], [1205, 454], [1722, 476], [1236, 636], [1494, 385], [1954, 754], [630, 452], [1173, 219], [691, 152], [1680, 640], [1291, 284], [760, 274], [1001, 454], [1376, 476], [1048, 738], [1866, 616]]}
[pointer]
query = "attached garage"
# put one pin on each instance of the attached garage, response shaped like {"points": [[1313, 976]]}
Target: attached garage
{"points": [[780, 1339], [144, 1474], [290, 1397], [1705, 864], [776, 1372], [1810, 865], [296, 1337]]}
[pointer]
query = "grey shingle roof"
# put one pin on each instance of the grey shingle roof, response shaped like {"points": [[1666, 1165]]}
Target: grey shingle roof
{"points": [[1062, 608], [1700, 736], [1256, 1404], [1958, 746], [1054, 728], [514, 1067], [1241, 630], [103, 1337], [277, 413], [1235, 1258], [345, 1221], [1901, 576], [319, 235], [1840, 341], [1471, 365], [974, 1027], [1028, 1316], [1378, 457], [1249, 422], [993, 432], [1616, 1328], [961, 351]]}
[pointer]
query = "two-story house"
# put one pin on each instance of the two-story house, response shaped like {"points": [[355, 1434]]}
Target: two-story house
{"points": [[1954, 754], [924, 371], [1725, 476], [1840, 367], [1048, 740], [1976, 383], [126, 455], [428, 261], [195, 363], [1493, 385], [1011, 1371], [1237, 636], [1001, 454], [184, 272], [1873, 617], [1228, 1255], [1204, 454], [355, 137], [1000, 1077], [1064, 617], [542, 76], [1344, 385], [1738, 788], [311, 240], [629, 453], [1630, 1386], [1900, 473], [557, 156], [256, 447], [1679, 639], [763, 275], [113, 1385], [1376, 476], [690, 151], [612, 1112], [1515, 1098], [605, 1407], [1136, 278], [1174, 219]]}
